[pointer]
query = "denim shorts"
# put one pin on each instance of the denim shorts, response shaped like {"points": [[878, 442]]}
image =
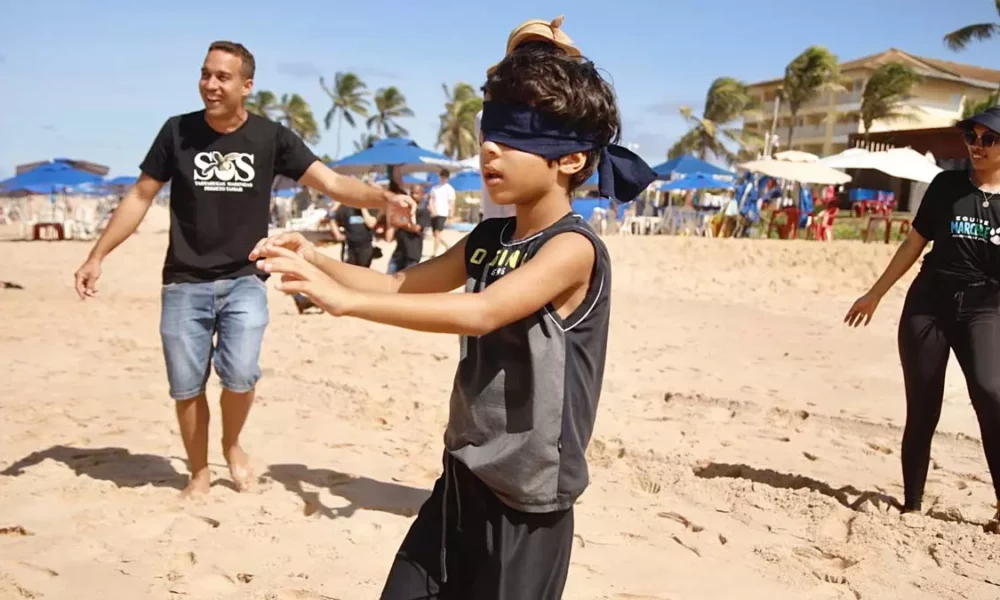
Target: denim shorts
{"points": [[234, 312]]}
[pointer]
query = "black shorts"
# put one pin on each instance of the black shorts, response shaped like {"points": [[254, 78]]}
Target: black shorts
{"points": [[437, 223], [465, 544], [360, 255]]}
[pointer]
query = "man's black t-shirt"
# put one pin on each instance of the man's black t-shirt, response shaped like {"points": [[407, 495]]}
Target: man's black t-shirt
{"points": [[355, 231], [966, 234], [410, 245], [220, 191]]}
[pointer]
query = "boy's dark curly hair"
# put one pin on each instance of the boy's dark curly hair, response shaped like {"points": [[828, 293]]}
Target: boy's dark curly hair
{"points": [[569, 88]]}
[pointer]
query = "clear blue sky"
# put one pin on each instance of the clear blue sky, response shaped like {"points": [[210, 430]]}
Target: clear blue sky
{"points": [[95, 79]]}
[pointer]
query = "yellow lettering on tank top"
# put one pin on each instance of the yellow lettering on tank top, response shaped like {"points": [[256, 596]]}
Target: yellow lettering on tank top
{"points": [[498, 258], [477, 256], [512, 260]]}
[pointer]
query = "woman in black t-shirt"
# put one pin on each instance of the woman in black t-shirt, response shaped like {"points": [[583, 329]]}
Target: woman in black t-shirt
{"points": [[952, 304]]}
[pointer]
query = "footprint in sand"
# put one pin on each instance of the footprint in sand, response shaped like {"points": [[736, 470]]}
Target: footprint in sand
{"points": [[25, 580], [880, 448], [12, 589], [209, 585], [826, 566], [837, 526], [647, 484]]}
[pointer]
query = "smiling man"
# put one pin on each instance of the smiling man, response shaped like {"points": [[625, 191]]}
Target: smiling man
{"points": [[221, 162]]}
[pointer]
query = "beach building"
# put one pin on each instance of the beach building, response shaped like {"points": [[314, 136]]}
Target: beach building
{"points": [[826, 125]]}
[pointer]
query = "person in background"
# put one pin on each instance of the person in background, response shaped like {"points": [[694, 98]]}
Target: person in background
{"points": [[409, 236], [220, 162], [441, 202], [358, 225], [951, 306]]}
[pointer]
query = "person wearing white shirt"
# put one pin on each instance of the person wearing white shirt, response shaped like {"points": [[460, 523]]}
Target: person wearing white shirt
{"points": [[441, 203]]}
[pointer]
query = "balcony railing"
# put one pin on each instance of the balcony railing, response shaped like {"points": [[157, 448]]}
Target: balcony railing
{"points": [[846, 128], [807, 131], [849, 97]]}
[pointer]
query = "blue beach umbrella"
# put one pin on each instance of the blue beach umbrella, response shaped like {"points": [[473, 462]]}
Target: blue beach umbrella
{"points": [[467, 181], [401, 153], [123, 180], [686, 164], [697, 181], [49, 179], [411, 180]]}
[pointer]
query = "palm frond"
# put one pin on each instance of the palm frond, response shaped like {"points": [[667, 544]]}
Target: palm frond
{"points": [[960, 38]]}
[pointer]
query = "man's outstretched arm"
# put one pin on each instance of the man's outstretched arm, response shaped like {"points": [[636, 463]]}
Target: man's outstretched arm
{"points": [[124, 221], [127, 215], [351, 190]]}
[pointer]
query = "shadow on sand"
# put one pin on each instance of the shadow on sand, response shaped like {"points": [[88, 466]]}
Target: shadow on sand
{"points": [[788, 481], [362, 492], [116, 465]]}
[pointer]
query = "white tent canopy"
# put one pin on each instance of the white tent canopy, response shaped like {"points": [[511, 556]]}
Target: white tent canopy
{"points": [[796, 156], [462, 165], [802, 172], [904, 163]]}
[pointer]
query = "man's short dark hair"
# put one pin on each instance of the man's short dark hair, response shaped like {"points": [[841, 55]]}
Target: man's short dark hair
{"points": [[444, 173], [569, 88], [247, 64]]}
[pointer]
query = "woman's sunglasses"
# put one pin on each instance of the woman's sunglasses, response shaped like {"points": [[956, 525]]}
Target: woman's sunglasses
{"points": [[987, 140]]}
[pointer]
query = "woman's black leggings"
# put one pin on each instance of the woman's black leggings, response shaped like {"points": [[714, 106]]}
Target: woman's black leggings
{"points": [[938, 317]]}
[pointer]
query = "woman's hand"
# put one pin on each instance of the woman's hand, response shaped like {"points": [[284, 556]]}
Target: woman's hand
{"points": [[862, 310], [299, 276], [294, 241]]}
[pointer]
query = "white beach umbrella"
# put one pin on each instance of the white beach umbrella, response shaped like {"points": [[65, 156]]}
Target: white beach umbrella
{"points": [[802, 172]]}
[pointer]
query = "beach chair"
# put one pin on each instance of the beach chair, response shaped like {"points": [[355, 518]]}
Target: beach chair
{"points": [[786, 228], [822, 225], [885, 216]]}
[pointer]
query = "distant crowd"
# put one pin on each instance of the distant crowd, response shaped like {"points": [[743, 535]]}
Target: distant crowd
{"points": [[357, 228]]}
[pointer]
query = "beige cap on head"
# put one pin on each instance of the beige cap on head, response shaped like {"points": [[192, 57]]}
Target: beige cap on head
{"points": [[537, 29]]}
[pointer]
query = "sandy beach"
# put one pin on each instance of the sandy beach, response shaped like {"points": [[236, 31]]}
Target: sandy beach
{"points": [[747, 444]]}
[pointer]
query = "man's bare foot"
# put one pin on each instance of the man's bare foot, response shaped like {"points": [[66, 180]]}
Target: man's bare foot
{"points": [[201, 480], [239, 467]]}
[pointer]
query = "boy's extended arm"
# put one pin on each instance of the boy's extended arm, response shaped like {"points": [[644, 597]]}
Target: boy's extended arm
{"points": [[440, 274], [561, 266]]}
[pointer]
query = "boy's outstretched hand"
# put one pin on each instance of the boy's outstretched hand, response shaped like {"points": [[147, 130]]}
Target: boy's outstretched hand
{"points": [[293, 240], [299, 276]]}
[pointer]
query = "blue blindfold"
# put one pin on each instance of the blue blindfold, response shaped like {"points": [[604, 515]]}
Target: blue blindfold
{"points": [[621, 174]]}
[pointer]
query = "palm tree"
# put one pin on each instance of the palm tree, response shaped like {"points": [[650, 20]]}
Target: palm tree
{"points": [[297, 116], [959, 39], [887, 87], [726, 101], [364, 142], [390, 104], [810, 73], [974, 107], [457, 134], [263, 103], [350, 97]]}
